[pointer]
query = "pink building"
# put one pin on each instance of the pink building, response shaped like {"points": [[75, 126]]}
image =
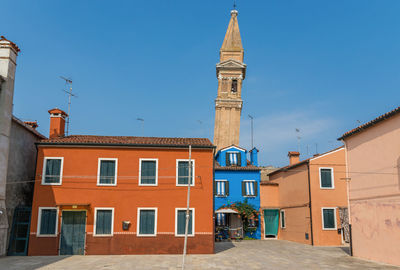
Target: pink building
{"points": [[373, 170]]}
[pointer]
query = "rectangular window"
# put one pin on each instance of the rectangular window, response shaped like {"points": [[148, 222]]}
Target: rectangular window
{"points": [[221, 219], [249, 188], [233, 158], [47, 221], [52, 170], [148, 172], [221, 188], [147, 222], [326, 177], [329, 218], [104, 221], [180, 222], [182, 172], [234, 86], [107, 172], [283, 219]]}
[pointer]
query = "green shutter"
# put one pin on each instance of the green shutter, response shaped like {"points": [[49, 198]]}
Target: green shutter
{"points": [[103, 221], [182, 222], [48, 221], [326, 178], [239, 159], [243, 188], [227, 188], [148, 172], [183, 173], [228, 161], [215, 187], [255, 185], [329, 218], [53, 170], [147, 222], [107, 171]]}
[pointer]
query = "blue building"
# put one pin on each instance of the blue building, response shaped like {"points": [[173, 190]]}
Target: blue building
{"points": [[236, 180]]}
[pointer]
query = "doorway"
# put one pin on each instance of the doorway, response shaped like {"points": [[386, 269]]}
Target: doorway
{"points": [[73, 233], [271, 223]]}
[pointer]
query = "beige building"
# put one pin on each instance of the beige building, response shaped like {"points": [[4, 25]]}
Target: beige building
{"points": [[231, 72], [373, 170]]}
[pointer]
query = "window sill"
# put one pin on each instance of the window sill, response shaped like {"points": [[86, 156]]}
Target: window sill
{"points": [[221, 196], [148, 185], [250, 196], [103, 235], [146, 235], [51, 184], [106, 185], [46, 235], [182, 235], [329, 229], [327, 187], [184, 185]]}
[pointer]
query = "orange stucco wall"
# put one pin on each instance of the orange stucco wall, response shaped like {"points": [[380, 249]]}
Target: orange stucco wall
{"points": [[374, 169], [336, 197], [293, 193], [79, 187]]}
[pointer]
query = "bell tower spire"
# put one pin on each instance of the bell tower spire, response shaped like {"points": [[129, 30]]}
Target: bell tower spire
{"points": [[231, 72]]}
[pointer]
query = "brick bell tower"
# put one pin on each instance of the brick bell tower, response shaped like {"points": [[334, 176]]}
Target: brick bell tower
{"points": [[231, 72]]}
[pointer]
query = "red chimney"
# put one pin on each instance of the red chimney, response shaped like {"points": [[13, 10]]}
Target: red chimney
{"points": [[57, 123], [294, 157], [32, 124]]}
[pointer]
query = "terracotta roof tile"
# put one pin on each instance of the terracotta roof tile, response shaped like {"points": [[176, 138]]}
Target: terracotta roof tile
{"points": [[370, 123], [129, 140]]}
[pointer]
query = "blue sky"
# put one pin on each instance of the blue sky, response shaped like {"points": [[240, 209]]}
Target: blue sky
{"points": [[316, 65]]}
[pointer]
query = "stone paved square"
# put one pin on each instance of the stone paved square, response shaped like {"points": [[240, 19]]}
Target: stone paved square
{"points": [[252, 254]]}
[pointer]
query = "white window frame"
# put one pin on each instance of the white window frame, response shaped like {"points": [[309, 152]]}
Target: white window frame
{"points": [[140, 171], [176, 222], [320, 178], [138, 221], [238, 162], [95, 220], [44, 171], [194, 174], [40, 221], [284, 218], [220, 180], [323, 224], [98, 171], [250, 196]]}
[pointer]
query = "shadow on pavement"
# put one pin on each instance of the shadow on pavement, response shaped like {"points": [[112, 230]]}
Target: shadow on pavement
{"points": [[28, 262], [346, 250], [222, 246]]}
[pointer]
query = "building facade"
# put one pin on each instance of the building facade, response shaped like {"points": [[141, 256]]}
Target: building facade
{"points": [[306, 202], [236, 180], [17, 160], [373, 171], [231, 72], [120, 195]]}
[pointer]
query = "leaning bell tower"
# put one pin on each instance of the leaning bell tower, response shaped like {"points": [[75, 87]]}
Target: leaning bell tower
{"points": [[231, 72]]}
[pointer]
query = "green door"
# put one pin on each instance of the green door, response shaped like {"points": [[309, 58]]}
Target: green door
{"points": [[271, 222], [72, 241]]}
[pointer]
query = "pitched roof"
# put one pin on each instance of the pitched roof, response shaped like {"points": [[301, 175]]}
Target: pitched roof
{"points": [[236, 168], [370, 123], [232, 40], [128, 141]]}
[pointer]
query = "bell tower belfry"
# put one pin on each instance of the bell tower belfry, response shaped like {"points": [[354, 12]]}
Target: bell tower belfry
{"points": [[231, 72]]}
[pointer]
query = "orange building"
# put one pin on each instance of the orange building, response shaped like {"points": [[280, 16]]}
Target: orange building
{"points": [[306, 202], [120, 195]]}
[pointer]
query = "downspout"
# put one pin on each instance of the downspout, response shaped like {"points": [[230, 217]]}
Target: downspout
{"points": [[309, 203], [213, 207], [348, 198]]}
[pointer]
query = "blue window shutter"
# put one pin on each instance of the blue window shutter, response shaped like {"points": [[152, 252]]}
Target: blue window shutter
{"points": [[107, 171], [148, 172], [147, 221], [53, 170], [48, 221]]}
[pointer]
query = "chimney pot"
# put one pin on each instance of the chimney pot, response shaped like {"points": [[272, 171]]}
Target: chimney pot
{"points": [[32, 124], [57, 123], [294, 157]]}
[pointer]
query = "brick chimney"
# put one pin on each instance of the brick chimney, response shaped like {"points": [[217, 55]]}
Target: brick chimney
{"points": [[294, 157], [57, 123]]}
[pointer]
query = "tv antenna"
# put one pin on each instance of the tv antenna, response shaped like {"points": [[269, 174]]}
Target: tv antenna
{"points": [[68, 82], [298, 139], [142, 121], [252, 138]]}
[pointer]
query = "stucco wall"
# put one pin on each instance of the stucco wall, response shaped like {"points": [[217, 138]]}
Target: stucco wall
{"points": [[336, 197], [294, 199], [21, 169], [79, 186], [374, 164]]}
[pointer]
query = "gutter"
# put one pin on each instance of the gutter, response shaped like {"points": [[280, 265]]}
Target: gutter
{"points": [[309, 203]]}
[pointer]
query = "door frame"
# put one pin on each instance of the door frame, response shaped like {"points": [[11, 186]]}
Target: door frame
{"points": [[276, 236], [61, 223]]}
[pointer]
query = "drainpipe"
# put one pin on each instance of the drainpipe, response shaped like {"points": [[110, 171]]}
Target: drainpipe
{"points": [[309, 203], [348, 198], [213, 207]]}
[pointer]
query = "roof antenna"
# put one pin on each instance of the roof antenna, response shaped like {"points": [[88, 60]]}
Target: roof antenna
{"points": [[68, 81], [234, 4]]}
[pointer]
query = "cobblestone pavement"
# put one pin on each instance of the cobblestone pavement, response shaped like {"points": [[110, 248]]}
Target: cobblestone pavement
{"points": [[252, 254]]}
